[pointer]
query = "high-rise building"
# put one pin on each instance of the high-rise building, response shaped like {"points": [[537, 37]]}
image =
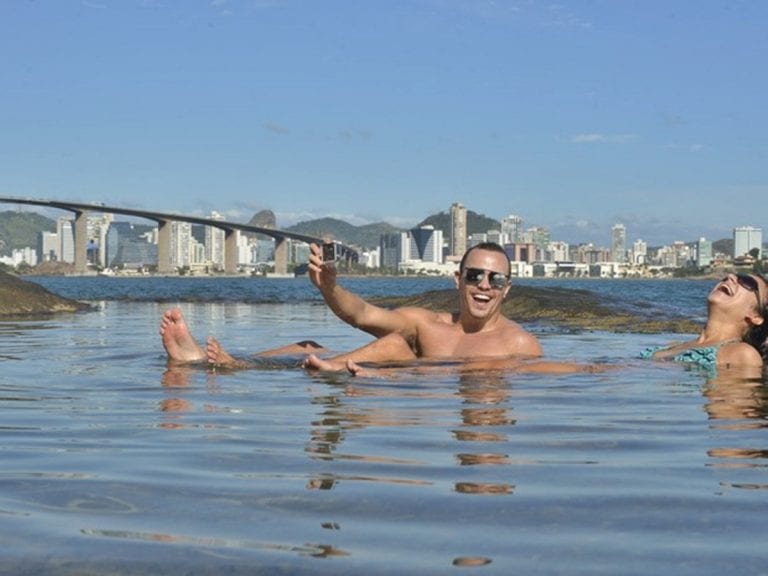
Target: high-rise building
{"points": [[557, 251], [619, 243], [746, 238], [512, 229], [65, 232], [181, 244], [214, 242], [639, 252], [540, 237], [458, 229], [47, 247], [426, 244], [495, 236], [393, 249], [703, 252], [477, 238]]}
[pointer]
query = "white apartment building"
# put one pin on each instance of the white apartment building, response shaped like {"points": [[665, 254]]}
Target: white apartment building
{"points": [[181, 244], [746, 238], [65, 234], [48, 247], [703, 252], [21, 256], [214, 242], [557, 251], [639, 252], [512, 229]]}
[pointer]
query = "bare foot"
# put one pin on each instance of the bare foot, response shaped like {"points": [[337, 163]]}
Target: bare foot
{"points": [[217, 356], [314, 362], [177, 339], [357, 370]]}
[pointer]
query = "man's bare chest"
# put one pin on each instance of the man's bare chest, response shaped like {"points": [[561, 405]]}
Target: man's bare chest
{"points": [[453, 341]]}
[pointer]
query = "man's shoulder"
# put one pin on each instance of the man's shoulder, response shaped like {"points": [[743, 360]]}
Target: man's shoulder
{"points": [[520, 339], [511, 325], [424, 314]]}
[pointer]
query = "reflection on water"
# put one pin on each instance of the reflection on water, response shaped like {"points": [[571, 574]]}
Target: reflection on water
{"points": [[314, 550], [736, 404], [484, 412], [109, 458]]}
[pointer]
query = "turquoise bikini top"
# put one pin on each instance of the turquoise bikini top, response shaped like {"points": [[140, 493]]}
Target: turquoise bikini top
{"points": [[706, 357]]}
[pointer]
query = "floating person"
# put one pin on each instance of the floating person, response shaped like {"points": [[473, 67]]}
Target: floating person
{"points": [[479, 336], [477, 330], [735, 332]]}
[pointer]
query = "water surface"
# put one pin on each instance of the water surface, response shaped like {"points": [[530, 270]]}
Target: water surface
{"points": [[112, 463]]}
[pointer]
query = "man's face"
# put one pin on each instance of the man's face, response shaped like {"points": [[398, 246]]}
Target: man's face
{"points": [[480, 299]]}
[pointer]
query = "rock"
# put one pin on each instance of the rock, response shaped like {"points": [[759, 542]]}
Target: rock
{"points": [[49, 268], [564, 307], [23, 298]]}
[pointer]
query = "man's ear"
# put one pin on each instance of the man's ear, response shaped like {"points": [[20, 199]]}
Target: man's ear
{"points": [[456, 278]]}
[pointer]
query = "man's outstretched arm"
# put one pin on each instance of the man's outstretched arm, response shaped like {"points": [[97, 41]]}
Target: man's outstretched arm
{"points": [[350, 307]]}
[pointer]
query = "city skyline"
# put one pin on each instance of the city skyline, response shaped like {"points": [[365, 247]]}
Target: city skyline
{"points": [[92, 235], [511, 227], [575, 115], [520, 224]]}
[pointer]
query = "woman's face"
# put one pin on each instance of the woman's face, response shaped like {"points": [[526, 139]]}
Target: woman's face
{"points": [[742, 293]]}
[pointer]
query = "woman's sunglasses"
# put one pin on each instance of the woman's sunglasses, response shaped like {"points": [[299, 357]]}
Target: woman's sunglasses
{"points": [[496, 280], [750, 283], [747, 282]]}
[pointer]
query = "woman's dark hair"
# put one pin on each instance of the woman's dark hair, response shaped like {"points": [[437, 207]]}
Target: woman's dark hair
{"points": [[758, 335], [491, 247]]}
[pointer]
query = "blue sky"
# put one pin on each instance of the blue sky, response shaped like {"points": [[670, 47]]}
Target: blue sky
{"points": [[573, 115]]}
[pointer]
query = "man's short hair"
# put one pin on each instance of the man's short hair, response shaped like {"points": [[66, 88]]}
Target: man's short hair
{"points": [[491, 247]]}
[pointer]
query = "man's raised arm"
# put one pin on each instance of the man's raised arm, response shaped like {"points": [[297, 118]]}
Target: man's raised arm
{"points": [[350, 307]]}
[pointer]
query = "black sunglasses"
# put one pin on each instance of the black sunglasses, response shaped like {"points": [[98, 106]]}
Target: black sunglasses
{"points": [[496, 280], [749, 282]]}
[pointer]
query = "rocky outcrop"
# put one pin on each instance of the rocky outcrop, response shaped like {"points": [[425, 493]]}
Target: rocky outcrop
{"points": [[23, 298], [566, 308]]}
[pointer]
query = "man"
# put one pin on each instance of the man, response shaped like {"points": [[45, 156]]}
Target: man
{"points": [[477, 330]]}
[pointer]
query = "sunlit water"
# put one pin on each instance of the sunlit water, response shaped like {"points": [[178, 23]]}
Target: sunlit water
{"points": [[111, 463]]}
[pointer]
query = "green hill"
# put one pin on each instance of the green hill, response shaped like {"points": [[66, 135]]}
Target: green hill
{"points": [[366, 236], [21, 230], [369, 235], [476, 223], [723, 246]]}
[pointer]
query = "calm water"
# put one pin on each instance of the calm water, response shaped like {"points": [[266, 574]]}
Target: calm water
{"points": [[112, 464]]}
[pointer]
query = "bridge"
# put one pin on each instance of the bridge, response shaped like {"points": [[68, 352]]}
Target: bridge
{"points": [[163, 220]]}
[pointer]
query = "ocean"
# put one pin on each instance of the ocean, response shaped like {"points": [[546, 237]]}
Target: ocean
{"points": [[113, 463]]}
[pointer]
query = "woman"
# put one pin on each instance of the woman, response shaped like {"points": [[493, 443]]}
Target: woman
{"points": [[736, 328]]}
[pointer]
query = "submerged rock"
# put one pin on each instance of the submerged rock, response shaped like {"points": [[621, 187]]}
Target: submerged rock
{"points": [[564, 307], [23, 298]]}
